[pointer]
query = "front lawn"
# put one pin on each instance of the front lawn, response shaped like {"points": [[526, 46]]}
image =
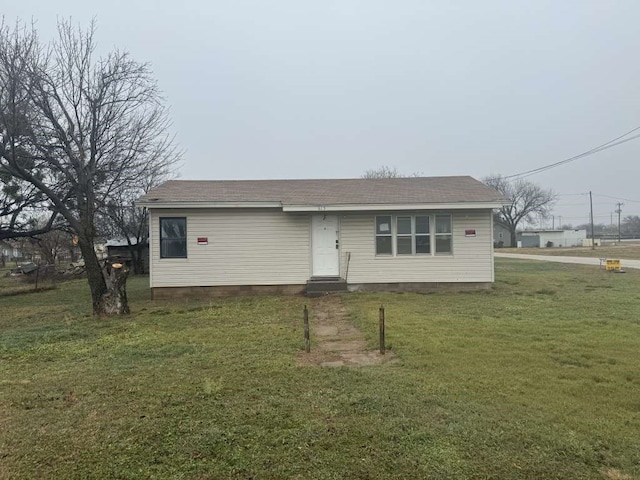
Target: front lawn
{"points": [[539, 378]]}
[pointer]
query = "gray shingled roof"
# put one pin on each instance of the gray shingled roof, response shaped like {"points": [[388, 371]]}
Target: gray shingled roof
{"points": [[413, 190]]}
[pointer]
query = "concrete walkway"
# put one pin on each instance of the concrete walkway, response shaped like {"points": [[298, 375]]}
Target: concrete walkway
{"points": [[561, 259]]}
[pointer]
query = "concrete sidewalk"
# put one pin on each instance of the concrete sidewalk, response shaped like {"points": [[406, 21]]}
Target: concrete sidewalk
{"points": [[560, 259]]}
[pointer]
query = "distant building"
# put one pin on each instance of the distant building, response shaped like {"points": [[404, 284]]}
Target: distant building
{"points": [[551, 238], [501, 236], [9, 251]]}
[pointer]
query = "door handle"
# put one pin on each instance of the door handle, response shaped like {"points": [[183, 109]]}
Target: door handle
{"points": [[337, 244]]}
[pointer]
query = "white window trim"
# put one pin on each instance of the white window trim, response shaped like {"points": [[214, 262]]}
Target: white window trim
{"points": [[410, 235], [390, 235], [394, 235], [448, 234]]}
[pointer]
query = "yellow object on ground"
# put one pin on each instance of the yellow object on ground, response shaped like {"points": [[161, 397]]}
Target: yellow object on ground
{"points": [[612, 265]]}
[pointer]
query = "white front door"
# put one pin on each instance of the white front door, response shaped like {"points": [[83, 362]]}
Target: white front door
{"points": [[324, 246]]}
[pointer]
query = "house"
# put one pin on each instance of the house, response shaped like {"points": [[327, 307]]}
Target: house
{"points": [[501, 236], [551, 238], [9, 251], [287, 236]]}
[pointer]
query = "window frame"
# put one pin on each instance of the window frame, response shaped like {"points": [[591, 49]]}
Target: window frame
{"points": [[389, 235], [160, 238], [432, 234], [410, 235], [416, 234], [442, 234]]}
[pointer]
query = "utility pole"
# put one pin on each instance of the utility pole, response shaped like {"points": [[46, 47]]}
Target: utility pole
{"points": [[619, 211], [593, 238]]}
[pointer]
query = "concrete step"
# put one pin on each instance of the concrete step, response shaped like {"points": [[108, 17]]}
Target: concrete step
{"points": [[320, 285]]}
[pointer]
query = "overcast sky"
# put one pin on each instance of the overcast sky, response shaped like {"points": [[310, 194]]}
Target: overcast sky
{"points": [[303, 89]]}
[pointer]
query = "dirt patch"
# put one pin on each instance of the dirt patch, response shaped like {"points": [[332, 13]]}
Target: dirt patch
{"points": [[335, 342]]}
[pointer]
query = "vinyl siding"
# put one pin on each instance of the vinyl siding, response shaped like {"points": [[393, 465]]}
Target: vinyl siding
{"points": [[471, 260], [246, 247], [270, 247]]}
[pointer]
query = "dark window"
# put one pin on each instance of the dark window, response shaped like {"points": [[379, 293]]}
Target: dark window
{"points": [[173, 237]]}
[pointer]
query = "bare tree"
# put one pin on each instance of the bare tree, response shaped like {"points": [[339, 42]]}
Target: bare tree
{"points": [[122, 218], [20, 204], [53, 243], [387, 172], [631, 225], [79, 130], [528, 200]]}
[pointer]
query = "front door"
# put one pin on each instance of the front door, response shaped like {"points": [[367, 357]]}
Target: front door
{"points": [[324, 246]]}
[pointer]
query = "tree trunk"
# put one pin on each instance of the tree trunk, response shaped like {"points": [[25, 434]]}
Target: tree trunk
{"points": [[514, 237], [95, 276], [114, 301]]}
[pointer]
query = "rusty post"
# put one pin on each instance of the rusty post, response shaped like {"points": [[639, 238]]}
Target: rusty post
{"points": [[307, 341], [381, 322]]}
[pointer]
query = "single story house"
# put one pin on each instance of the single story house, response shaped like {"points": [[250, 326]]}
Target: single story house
{"points": [[551, 238], [291, 236]]}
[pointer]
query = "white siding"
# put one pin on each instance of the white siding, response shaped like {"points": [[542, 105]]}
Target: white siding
{"points": [[471, 260], [270, 247], [246, 247]]}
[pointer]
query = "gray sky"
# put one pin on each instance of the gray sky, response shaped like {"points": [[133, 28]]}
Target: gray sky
{"points": [[301, 89]]}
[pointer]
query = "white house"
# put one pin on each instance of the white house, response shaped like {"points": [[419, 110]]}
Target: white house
{"points": [[287, 236]]}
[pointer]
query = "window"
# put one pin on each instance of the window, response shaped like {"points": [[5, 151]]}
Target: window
{"points": [[412, 235], [404, 238], [383, 235], [401, 235], [173, 237], [443, 234], [423, 237]]}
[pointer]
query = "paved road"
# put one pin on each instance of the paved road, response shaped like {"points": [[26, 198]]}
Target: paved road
{"points": [[560, 259]]}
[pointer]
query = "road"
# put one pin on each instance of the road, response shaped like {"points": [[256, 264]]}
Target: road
{"points": [[559, 259]]}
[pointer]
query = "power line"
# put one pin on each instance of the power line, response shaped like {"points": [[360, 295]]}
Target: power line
{"points": [[616, 198], [610, 144], [598, 195]]}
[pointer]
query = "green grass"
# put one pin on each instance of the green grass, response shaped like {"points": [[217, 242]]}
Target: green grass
{"points": [[538, 378]]}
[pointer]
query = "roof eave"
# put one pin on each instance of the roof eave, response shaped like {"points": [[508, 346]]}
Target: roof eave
{"points": [[360, 207], [392, 206], [177, 204]]}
